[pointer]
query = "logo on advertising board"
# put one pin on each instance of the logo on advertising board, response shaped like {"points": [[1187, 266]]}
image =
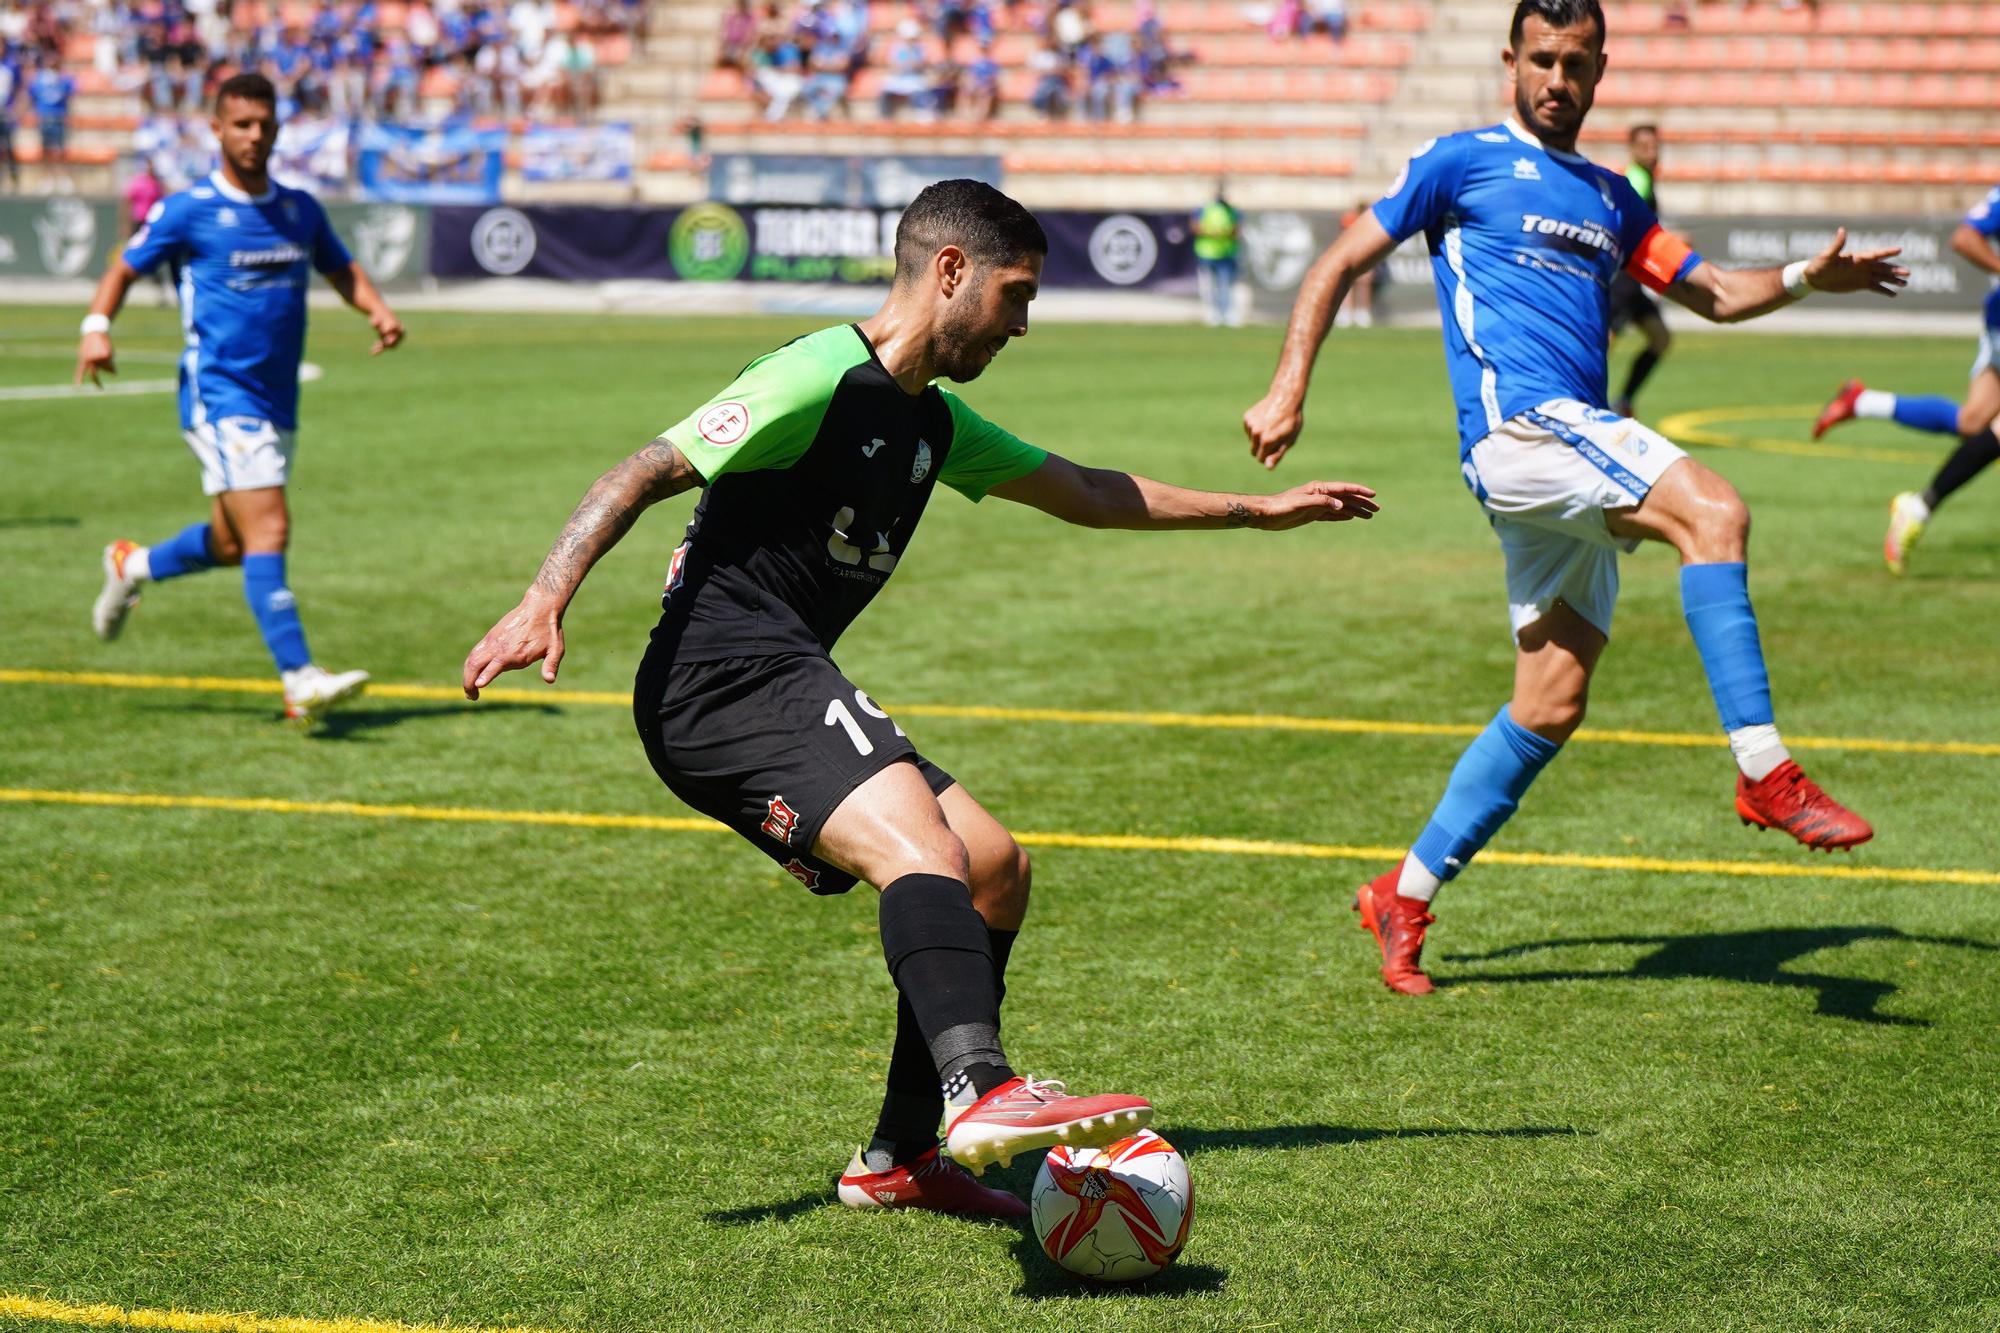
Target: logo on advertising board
{"points": [[67, 230], [385, 238], [1277, 249], [503, 241], [1123, 250], [708, 243]]}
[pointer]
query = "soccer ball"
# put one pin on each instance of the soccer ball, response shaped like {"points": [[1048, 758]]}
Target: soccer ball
{"points": [[1116, 1214]]}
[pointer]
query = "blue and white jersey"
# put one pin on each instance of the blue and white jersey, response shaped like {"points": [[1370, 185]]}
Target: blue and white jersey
{"points": [[1524, 243], [243, 264], [1985, 219]]}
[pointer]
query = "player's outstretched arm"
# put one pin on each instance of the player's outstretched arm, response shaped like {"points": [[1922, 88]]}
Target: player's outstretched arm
{"points": [[1274, 422], [1728, 296], [359, 290], [532, 631], [93, 353], [1101, 498]]}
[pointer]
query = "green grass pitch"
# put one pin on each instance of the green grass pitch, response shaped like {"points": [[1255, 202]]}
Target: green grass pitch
{"points": [[602, 1079]]}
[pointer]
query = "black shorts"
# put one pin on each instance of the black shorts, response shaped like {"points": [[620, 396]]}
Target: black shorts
{"points": [[1630, 303], [769, 746]]}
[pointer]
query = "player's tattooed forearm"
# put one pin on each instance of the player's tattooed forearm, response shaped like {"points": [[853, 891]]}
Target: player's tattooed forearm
{"points": [[608, 512], [1238, 514]]}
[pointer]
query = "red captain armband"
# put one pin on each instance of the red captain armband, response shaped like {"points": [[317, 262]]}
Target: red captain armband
{"points": [[1661, 259]]}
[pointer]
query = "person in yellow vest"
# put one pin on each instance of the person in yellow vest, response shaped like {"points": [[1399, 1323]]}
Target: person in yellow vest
{"points": [[1217, 229]]}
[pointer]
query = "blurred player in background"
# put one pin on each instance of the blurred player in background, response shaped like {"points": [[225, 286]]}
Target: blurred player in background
{"points": [[241, 248], [142, 191], [818, 462], [1218, 234], [1972, 421], [1630, 306], [1525, 237]]}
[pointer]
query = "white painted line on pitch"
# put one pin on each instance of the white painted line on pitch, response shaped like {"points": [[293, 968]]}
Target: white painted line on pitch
{"points": [[1103, 842], [556, 698], [116, 388], [194, 1321]]}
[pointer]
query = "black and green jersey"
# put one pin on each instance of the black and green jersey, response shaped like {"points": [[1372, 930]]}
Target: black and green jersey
{"points": [[818, 468]]}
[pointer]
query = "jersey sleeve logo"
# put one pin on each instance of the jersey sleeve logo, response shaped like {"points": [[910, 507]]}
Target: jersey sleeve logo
{"points": [[724, 424]]}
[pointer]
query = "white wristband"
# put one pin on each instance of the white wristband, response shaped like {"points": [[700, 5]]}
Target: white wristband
{"points": [[96, 324], [1794, 279]]}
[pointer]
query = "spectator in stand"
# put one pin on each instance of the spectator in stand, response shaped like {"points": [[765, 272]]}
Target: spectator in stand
{"points": [[1328, 16], [850, 26], [982, 80], [10, 96], [579, 63], [826, 84], [1052, 91], [907, 82], [775, 78], [51, 90], [739, 36], [1070, 26], [941, 94], [1111, 87]]}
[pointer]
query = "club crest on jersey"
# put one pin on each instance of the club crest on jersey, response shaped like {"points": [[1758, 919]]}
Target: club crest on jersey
{"points": [[922, 467], [677, 567], [724, 424], [781, 822], [225, 217], [803, 873], [1526, 170]]}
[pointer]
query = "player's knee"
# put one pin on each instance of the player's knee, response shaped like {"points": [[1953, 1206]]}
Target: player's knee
{"points": [[1552, 717], [1659, 338], [1718, 519], [223, 547], [1973, 419]]}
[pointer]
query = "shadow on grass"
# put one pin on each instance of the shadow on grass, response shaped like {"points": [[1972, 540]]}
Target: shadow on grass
{"points": [[1754, 956], [41, 521], [347, 724]]}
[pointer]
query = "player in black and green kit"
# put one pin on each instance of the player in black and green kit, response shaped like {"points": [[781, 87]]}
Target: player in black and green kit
{"points": [[1630, 305], [817, 463]]}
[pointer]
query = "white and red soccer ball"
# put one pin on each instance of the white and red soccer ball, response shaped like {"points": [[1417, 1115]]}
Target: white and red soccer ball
{"points": [[1115, 1214]]}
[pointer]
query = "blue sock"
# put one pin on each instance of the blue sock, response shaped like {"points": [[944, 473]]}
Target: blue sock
{"points": [[1485, 788], [277, 614], [1716, 601], [1936, 415], [186, 552]]}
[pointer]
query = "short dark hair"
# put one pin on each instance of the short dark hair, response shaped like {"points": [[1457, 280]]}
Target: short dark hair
{"points": [[1557, 14], [1646, 128], [972, 215], [249, 87]]}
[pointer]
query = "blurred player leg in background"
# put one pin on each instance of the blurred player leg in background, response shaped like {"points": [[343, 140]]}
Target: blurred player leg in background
{"points": [[1631, 306], [1910, 511]]}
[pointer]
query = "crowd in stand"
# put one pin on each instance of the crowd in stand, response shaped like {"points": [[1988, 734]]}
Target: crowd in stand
{"points": [[341, 58], [804, 59]]}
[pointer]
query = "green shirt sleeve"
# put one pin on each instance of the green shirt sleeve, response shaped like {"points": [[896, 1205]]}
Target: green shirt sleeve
{"points": [[982, 455], [768, 417]]}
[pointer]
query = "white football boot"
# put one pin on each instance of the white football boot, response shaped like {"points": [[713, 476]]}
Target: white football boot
{"points": [[119, 594], [311, 691]]}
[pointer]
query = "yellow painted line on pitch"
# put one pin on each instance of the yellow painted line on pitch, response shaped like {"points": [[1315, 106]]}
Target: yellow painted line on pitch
{"points": [[1102, 842], [191, 1321], [1693, 428], [1347, 726], [987, 713]]}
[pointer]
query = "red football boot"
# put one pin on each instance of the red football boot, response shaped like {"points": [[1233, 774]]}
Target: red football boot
{"points": [[1397, 923], [1787, 799], [1023, 1114], [1840, 409], [932, 1181]]}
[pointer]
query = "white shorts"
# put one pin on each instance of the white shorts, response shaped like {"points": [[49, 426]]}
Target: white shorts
{"points": [[1545, 478], [1985, 360], [241, 454]]}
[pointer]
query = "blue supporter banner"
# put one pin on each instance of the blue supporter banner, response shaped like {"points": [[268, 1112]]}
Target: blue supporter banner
{"points": [[820, 181], [577, 153], [312, 155], [445, 164]]}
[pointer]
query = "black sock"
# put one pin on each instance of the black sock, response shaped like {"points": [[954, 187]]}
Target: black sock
{"points": [[940, 957], [1002, 944], [1636, 376], [1968, 461], [912, 1104]]}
